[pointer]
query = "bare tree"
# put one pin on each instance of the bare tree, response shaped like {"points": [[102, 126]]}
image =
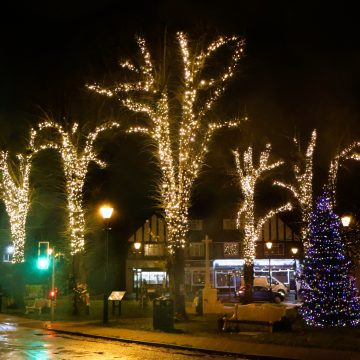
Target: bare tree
{"points": [[15, 192], [77, 151], [248, 175], [180, 126]]}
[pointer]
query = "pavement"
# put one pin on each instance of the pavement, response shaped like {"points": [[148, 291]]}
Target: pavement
{"points": [[221, 345], [227, 344]]}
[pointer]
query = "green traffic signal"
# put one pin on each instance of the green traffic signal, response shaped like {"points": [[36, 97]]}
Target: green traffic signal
{"points": [[43, 263], [43, 260]]}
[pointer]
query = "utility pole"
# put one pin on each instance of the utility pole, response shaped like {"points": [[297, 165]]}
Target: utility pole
{"points": [[207, 241], [53, 299]]}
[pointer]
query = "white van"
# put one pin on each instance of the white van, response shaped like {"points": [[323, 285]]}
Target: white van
{"points": [[276, 285]]}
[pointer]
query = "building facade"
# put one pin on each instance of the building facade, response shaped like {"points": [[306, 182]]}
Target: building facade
{"points": [[147, 254]]}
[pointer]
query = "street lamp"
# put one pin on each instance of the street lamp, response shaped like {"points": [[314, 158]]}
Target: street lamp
{"points": [[137, 247], [106, 212], [346, 220], [9, 251], [269, 246], [294, 251]]}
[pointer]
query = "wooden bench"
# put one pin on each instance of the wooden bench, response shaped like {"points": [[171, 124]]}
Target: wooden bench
{"points": [[259, 316], [38, 305], [238, 325]]}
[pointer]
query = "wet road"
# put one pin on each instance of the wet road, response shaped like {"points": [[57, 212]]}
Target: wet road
{"points": [[23, 341]]}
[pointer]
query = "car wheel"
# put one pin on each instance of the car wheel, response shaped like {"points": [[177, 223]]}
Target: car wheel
{"points": [[282, 292], [277, 299]]}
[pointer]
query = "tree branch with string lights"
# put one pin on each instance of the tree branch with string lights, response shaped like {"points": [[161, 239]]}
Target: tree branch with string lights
{"points": [[349, 153], [248, 175], [180, 125], [302, 189]]}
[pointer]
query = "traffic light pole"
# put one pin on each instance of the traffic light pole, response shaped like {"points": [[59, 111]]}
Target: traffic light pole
{"points": [[53, 286]]}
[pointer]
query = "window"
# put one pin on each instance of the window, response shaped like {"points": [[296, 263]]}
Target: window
{"points": [[153, 277], [231, 249], [154, 250], [276, 249], [196, 249], [195, 224], [229, 224], [198, 278], [7, 257]]}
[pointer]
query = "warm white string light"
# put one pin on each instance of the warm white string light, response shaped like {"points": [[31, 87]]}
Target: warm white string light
{"points": [[248, 175], [75, 159], [302, 189], [15, 192], [348, 153], [180, 152]]}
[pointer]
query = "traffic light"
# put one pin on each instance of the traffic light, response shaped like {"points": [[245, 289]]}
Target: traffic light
{"points": [[43, 255], [52, 294]]}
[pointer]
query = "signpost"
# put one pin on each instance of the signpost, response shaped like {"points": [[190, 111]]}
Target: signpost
{"points": [[116, 296]]}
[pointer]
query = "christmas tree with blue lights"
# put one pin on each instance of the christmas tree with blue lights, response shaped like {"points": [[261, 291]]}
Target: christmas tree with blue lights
{"points": [[328, 291]]}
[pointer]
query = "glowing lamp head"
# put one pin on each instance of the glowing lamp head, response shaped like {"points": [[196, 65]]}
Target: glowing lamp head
{"points": [[346, 220], [10, 249], [269, 245], [106, 212], [137, 245], [294, 250]]}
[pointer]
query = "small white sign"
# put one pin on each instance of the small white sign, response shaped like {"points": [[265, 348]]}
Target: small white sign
{"points": [[117, 295]]}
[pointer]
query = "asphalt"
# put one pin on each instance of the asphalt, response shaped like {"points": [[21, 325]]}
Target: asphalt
{"points": [[221, 345], [213, 345]]}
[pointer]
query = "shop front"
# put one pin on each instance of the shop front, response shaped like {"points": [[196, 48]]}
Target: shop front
{"points": [[228, 272]]}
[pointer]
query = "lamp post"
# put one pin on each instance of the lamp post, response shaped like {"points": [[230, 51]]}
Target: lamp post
{"points": [[106, 212], [137, 247], [294, 251], [51, 253], [269, 246]]}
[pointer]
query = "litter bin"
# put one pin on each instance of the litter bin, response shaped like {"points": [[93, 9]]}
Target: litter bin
{"points": [[163, 314]]}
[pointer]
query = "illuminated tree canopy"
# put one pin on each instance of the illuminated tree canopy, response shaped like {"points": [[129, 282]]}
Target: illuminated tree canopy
{"points": [[182, 139], [77, 151], [248, 175]]}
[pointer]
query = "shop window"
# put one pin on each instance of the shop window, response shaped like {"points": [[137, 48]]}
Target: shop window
{"points": [[225, 279], [153, 277], [196, 249], [231, 249], [154, 250]]}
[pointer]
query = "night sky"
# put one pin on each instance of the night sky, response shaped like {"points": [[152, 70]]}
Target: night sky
{"points": [[301, 71]]}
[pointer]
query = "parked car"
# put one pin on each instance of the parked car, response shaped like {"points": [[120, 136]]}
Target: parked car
{"points": [[276, 285], [262, 293]]}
